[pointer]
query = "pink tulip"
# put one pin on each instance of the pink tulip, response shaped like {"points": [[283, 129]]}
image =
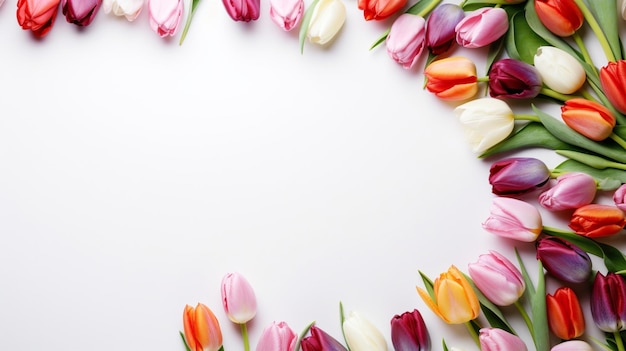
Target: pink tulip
{"points": [[482, 27], [238, 298], [37, 15], [619, 197], [405, 40], [514, 219], [571, 191], [80, 12], [243, 10], [494, 339], [572, 345], [497, 278], [165, 16], [286, 13], [277, 337]]}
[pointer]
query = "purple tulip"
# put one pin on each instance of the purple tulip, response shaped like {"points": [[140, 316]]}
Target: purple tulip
{"points": [[497, 278], [440, 27], [409, 333], [482, 27], [243, 10], [608, 302], [494, 339], [80, 12], [514, 79], [564, 260], [572, 190], [517, 175], [405, 41], [319, 340]]}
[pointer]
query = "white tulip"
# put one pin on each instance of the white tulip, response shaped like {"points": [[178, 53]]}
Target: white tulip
{"points": [[559, 70], [362, 335], [486, 122], [128, 8], [327, 19]]}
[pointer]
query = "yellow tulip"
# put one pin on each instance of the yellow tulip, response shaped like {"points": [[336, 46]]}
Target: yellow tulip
{"points": [[455, 300]]}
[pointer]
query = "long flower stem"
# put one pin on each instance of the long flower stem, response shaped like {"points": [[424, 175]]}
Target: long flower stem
{"points": [[526, 318], [527, 117], [556, 95], [618, 140], [429, 8], [618, 341], [596, 29], [472, 333], [244, 334], [583, 50]]}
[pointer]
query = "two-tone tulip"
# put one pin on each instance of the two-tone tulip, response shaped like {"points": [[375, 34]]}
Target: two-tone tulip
{"points": [[454, 299], [452, 78], [485, 122], [37, 15], [517, 175], [619, 197], [278, 336], [130, 9], [608, 302], [497, 278], [80, 12], [482, 27], [327, 19], [319, 340], [380, 9], [243, 10], [286, 13], [405, 41], [572, 345], [588, 118], [513, 219], [496, 339], [514, 79], [409, 332], [561, 17], [440, 27], [165, 16], [613, 81], [572, 190], [361, 334], [559, 70], [563, 260], [597, 220], [565, 315], [238, 298], [201, 328]]}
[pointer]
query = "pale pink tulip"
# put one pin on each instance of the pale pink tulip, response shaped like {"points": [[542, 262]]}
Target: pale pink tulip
{"points": [[238, 298], [127, 8], [572, 190], [243, 10], [494, 339], [619, 197], [286, 13], [482, 27], [497, 278], [405, 41], [165, 16], [514, 219], [278, 336]]}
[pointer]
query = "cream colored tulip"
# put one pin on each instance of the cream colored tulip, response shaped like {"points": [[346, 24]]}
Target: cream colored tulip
{"points": [[486, 122], [327, 19], [127, 8], [362, 335], [559, 70]]}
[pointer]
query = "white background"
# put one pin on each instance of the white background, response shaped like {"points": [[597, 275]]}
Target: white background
{"points": [[135, 173]]}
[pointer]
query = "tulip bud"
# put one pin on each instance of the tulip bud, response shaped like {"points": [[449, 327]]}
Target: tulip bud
{"points": [[286, 13], [495, 339], [559, 70], [561, 17], [405, 40], [619, 197], [127, 8], [165, 16], [238, 298], [319, 340], [201, 329], [497, 278], [613, 81], [608, 302], [37, 15], [597, 220], [327, 19], [588, 118], [572, 190], [517, 175], [243, 10], [514, 79], [440, 27], [514, 219], [485, 122], [380, 9], [80, 12], [565, 315], [564, 260], [482, 27], [572, 345], [362, 335], [409, 332], [277, 337], [452, 78]]}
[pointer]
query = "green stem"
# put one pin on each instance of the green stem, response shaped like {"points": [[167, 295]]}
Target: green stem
{"points": [[583, 50], [429, 8], [555, 95], [472, 333], [192, 11], [618, 341], [594, 161], [244, 334], [529, 323], [596, 29], [482, 79], [587, 95], [618, 140], [301, 336], [527, 117]]}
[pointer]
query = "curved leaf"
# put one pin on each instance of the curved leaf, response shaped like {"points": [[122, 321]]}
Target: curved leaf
{"points": [[604, 13], [304, 26], [607, 177], [522, 42]]}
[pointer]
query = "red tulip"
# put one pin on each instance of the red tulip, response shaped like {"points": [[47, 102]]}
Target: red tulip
{"points": [[588, 118], [202, 330], [80, 12], [596, 220], [380, 9], [561, 17], [37, 15], [613, 81], [565, 315]]}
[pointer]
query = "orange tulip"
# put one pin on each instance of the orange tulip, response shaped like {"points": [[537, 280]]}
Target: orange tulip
{"points": [[561, 17], [613, 81], [565, 316], [380, 9], [588, 118], [597, 220], [452, 78], [201, 328], [37, 15]]}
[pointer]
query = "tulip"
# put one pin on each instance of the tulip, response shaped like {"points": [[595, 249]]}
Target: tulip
{"points": [[37, 15], [517, 175], [608, 302], [80, 12], [482, 27], [362, 335], [286, 13], [243, 10], [619, 197], [559, 70], [588, 118], [564, 260], [127, 8], [514, 79], [565, 316], [405, 40], [440, 33], [452, 78], [495, 339], [572, 190], [597, 220], [613, 81], [561, 17], [380, 9], [572, 345], [409, 332], [277, 337], [454, 301], [514, 219], [485, 122], [497, 278], [319, 340], [201, 329], [165, 16], [623, 6], [238, 298], [327, 19]]}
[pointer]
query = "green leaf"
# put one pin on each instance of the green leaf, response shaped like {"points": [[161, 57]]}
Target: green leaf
{"points": [[443, 344], [608, 179], [604, 12], [530, 287], [302, 335], [428, 285], [420, 8], [382, 38], [535, 24], [342, 318], [522, 42], [620, 131], [182, 336], [540, 319], [192, 11], [304, 26]]}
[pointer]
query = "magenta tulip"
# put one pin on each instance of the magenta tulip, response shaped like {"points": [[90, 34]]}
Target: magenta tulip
{"points": [[238, 298], [572, 190], [243, 10], [608, 302], [564, 260], [409, 332], [619, 197], [319, 340], [517, 175], [405, 40], [497, 278], [165, 16], [286, 13], [440, 27], [514, 219], [514, 79], [278, 336], [80, 12], [482, 27], [495, 339]]}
